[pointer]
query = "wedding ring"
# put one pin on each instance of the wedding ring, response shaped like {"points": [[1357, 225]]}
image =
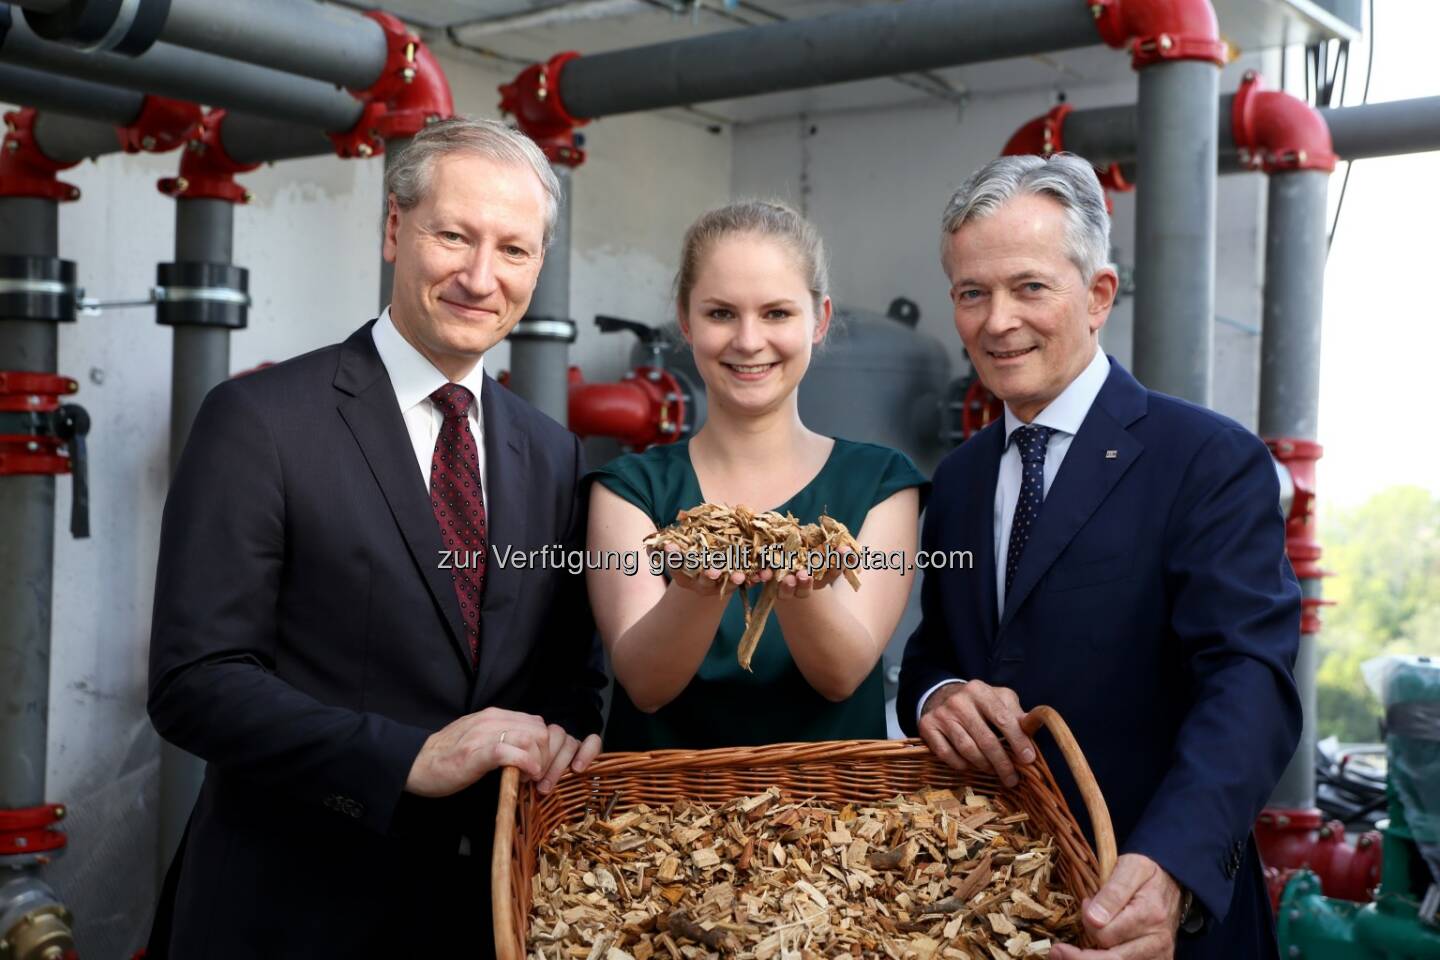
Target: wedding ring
{"points": [[502, 735]]}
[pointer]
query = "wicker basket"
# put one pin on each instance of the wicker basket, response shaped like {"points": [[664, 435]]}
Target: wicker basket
{"points": [[840, 771]]}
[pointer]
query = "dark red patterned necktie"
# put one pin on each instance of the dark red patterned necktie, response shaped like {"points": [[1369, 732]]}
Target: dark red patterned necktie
{"points": [[459, 507]]}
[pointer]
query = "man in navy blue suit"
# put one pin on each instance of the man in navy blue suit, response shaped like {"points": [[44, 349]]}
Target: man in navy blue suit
{"points": [[1130, 573]]}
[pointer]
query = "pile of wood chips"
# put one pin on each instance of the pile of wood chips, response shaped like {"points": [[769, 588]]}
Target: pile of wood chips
{"points": [[915, 878], [753, 542]]}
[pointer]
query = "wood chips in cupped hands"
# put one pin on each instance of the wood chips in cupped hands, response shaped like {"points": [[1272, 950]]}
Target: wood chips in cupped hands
{"points": [[916, 878], [752, 542]]}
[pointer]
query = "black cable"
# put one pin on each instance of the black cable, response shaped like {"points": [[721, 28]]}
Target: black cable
{"points": [[1364, 98]]}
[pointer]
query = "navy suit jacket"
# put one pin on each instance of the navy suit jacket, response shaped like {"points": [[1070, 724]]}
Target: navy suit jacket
{"points": [[306, 642], [1155, 609]]}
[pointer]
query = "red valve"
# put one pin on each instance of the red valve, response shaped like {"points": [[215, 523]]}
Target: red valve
{"points": [[32, 453]]}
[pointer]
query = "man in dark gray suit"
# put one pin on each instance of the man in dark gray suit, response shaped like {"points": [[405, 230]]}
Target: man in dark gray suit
{"points": [[332, 632]]}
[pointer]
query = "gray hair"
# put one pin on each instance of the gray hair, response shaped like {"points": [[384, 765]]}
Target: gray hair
{"points": [[1063, 177], [766, 218], [408, 177]]}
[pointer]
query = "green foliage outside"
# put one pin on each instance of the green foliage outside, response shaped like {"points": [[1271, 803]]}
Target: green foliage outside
{"points": [[1384, 556]]}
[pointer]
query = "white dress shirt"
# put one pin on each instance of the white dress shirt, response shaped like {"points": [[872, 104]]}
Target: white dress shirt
{"points": [[414, 378], [1063, 415]]}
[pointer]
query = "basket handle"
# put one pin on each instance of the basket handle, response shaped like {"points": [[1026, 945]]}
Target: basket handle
{"points": [[504, 920], [1084, 779]]}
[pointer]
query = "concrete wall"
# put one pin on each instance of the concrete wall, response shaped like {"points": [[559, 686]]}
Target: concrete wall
{"points": [[876, 181], [311, 242]]}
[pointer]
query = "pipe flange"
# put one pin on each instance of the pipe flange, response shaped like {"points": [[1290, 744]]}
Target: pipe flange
{"points": [[533, 99], [163, 124], [557, 329], [128, 27], [198, 294], [410, 93], [207, 171], [1160, 31], [25, 170], [38, 288]]}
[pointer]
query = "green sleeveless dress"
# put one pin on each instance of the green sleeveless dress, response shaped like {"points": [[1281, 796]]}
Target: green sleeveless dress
{"points": [[724, 706]]}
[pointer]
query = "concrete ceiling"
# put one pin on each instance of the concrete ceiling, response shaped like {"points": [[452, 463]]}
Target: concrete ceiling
{"points": [[531, 30]]}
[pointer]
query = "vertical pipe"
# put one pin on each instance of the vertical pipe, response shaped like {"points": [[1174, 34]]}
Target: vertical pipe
{"points": [[1290, 401], [1175, 228], [393, 149], [204, 231], [540, 343], [28, 226]]}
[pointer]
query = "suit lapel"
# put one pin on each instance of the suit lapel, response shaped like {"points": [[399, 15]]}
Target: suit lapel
{"points": [[980, 508], [372, 413], [507, 465], [1085, 479]]}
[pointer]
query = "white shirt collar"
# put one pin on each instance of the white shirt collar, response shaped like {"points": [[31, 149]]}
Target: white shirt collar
{"points": [[1066, 412], [414, 377]]}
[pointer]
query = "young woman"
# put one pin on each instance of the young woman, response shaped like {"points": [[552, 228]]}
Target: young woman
{"points": [[752, 304]]}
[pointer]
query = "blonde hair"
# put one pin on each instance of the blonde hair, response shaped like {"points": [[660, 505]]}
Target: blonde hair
{"points": [[766, 218]]}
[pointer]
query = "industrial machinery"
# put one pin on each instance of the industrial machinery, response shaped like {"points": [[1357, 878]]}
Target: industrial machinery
{"points": [[1401, 920]]}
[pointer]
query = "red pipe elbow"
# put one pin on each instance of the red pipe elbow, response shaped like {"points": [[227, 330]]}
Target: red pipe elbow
{"points": [[1045, 135], [206, 171], [533, 99], [644, 409], [163, 124], [1276, 131], [1156, 31], [25, 170], [410, 92]]}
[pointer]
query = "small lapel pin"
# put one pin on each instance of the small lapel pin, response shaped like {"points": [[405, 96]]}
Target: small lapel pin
{"points": [[1111, 454]]}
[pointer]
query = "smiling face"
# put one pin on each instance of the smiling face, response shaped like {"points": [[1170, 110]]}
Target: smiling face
{"points": [[1029, 319], [752, 323], [466, 257]]}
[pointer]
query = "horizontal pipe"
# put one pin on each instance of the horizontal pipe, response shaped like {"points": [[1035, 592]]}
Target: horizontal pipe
{"points": [[1108, 135], [49, 92], [314, 40], [183, 74], [251, 139], [1385, 129], [70, 139], [873, 41]]}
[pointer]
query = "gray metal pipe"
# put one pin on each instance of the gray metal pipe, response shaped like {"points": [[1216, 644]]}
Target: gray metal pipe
{"points": [[251, 139], [874, 41], [315, 40], [1385, 129], [28, 226], [1295, 242], [1175, 228], [77, 98], [183, 74], [540, 343], [70, 140], [204, 230]]}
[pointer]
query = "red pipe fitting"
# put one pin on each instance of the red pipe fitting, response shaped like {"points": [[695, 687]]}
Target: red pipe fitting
{"points": [[1276, 131], [30, 832], [1157, 31], [1299, 457], [533, 99], [410, 92], [27, 453], [1302, 839], [206, 171], [25, 171], [163, 124], [646, 408], [1045, 135]]}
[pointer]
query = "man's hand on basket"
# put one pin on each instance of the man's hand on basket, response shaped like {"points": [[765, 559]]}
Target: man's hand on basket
{"points": [[468, 748], [567, 753], [959, 722], [1133, 917]]}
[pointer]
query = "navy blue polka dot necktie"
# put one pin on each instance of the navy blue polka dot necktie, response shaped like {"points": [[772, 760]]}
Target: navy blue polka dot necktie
{"points": [[1032, 441], [459, 507]]}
